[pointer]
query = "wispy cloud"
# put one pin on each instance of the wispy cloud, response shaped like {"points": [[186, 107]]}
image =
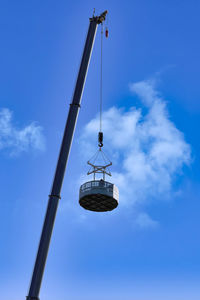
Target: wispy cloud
{"points": [[15, 140], [143, 220], [147, 149]]}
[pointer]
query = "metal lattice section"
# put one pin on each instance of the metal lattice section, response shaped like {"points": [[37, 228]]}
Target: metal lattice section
{"points": [[98, 202]]}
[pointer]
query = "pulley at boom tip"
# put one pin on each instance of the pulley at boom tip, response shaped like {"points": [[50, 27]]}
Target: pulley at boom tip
{"points": [[99, 19]]}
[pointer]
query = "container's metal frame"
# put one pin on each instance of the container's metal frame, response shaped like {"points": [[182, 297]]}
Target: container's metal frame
{"points": [[54, 196]]}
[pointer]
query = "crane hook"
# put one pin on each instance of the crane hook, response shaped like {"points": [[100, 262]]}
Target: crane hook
{"points": [[100, 139]]}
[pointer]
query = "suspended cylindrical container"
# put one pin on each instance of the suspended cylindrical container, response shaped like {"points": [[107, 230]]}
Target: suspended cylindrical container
{"points": [[99, 196]]}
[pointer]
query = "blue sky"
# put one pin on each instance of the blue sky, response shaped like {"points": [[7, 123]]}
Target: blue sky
{"points": [[148, 248]]}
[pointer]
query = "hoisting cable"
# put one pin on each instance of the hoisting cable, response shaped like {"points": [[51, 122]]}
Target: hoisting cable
{"points": [[100, 163], [100, 136]]}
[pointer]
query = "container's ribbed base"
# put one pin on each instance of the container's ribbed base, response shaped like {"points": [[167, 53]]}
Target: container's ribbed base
{"points": [[98, 202]]}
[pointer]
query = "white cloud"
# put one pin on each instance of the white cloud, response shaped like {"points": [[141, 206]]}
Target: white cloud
{"points": [[19, 140], [146, 91], [144, 221], [147, 150]]}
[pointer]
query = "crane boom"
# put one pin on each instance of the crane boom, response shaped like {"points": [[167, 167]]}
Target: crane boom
{"points": [[54, 196]]}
